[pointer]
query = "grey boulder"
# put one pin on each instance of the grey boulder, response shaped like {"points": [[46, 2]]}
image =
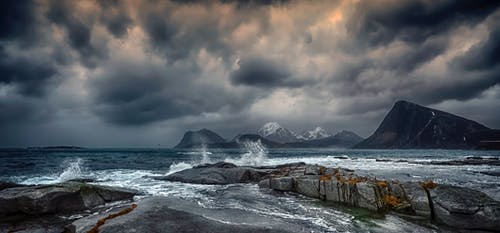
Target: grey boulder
{"points": [[465, 208], [58, 198], [218, 173]]}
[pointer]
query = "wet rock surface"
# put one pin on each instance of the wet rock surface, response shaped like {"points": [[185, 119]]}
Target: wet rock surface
{"points": [[465, 208], [474, 161], [164, 214], [58, 198], [466, 161], [218, 173], [6, 185], [458, 207], [226, 173]]}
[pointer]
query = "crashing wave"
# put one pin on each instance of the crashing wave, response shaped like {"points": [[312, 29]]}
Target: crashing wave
{"points": [[256, 154]]}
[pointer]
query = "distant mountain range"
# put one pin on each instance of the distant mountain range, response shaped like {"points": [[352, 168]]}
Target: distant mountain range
{"points": [[406, 126], [412, 126], [275, 132], [272, 135]]}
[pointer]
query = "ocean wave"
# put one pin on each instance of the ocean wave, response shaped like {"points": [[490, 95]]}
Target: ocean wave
{"points": [[256, 154]]}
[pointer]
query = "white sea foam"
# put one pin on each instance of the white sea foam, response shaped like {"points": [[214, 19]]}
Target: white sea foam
{"points": [[256, 154], [205, 158], [73, 170], [175, 167], [205, 155]]}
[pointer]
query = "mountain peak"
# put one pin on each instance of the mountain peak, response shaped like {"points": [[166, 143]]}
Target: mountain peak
{"points": [[403, 102], [316, 133], [409, 125], [199, 138], [269, 128], [275, 132]]}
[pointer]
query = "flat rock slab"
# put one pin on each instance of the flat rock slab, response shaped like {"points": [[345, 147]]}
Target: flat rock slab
{"points": [[163, 214], [465, 208], [6, 185], [467, 161], [218, 173], [58, 198]]}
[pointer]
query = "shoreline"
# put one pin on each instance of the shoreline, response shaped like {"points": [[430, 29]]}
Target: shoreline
{"points": [[312, 181]]}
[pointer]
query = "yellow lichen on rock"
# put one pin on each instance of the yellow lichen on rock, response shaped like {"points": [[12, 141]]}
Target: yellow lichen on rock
{"points": [[101, 221], [322, 170], [382, 183], [428, 184], [391, 201], [325, 177]]}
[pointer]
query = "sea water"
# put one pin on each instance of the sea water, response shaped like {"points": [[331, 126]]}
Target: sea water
{"points": [[131, 168]]}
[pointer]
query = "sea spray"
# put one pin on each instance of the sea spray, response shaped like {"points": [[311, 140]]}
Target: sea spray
{"points": [[256, 154], [74, 169], [175, 167], [205, 158], [204, 155]]}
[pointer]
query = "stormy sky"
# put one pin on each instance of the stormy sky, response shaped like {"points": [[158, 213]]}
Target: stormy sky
{"points": [[111, 73]]}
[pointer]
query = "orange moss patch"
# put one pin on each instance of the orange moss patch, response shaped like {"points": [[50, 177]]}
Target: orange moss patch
{"points": [[339, 178], [322, 170], [325, 177], [391, 201], [355, 180], [351, 179], [101, 221], [428, 184], [381, 183]]}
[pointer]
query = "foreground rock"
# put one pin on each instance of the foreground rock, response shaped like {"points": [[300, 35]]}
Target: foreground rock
{"points": [[58, 198], [163, 214], [221, 173], [6, 185], [465, 208], [457, 207]]}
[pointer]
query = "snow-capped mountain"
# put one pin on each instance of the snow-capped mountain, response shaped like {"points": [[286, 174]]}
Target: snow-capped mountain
{"points": [[316, 133], [275, 132]]}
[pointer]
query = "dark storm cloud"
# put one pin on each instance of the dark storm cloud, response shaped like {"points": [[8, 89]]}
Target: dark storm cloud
{"points": [[28, 75], [17, 20], [483, 56], [416, 56], [161, 33], [475, 71], [380, 22], [178, 37], [115, 17], [79, 32], [260, 72], [128, 93], [17, 109], [239, 2], [366, 76], [165, 36], [424, 31], [169, 66]]}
